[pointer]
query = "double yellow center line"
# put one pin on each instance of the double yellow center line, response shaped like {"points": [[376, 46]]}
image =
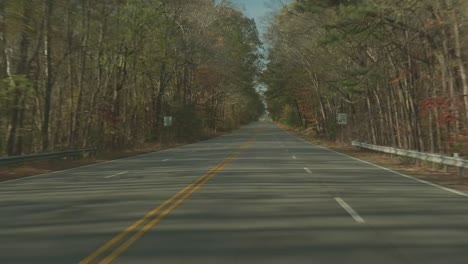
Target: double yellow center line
{"points": [[117, 245]]}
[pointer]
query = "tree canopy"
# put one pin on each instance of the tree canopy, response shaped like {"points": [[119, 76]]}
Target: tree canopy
{"points": [[105, 73], [397, 68]]}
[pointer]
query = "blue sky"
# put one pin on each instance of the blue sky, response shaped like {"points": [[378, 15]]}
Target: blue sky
{"points": [[260, 10]]}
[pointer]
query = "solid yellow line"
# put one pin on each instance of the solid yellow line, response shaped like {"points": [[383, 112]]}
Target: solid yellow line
{"points": [[139, 222], [89, 259], [123, 247]]}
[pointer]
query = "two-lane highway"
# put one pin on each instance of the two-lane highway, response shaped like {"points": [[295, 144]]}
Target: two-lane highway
{"points": [[258, 195]]}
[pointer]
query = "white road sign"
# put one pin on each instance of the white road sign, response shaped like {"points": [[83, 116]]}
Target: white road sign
{"points": [[168, 121], [342, 119]]}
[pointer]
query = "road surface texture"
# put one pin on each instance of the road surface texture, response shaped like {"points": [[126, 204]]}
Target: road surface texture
{"points": [[258, 195]]}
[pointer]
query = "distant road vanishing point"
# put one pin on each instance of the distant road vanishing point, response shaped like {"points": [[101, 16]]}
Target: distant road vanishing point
{"points": [[258, 195]]}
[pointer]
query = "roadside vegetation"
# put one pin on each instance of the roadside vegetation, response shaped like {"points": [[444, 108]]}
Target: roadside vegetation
{"points": [[104, 73], [397, 68]]}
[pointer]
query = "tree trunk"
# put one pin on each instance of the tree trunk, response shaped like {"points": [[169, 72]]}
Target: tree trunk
{"points": [[4, 61], [460, 64], [71, 77], [22, 70], [159, 99], [100, 77], [78, 115], [371, 118], [48, 5]]}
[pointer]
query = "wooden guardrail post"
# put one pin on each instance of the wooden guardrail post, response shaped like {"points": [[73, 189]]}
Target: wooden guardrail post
{"points": [[459, 169]]}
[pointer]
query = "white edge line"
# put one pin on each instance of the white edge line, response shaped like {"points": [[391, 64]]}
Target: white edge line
{"points": [[350, 210], [387, 169], [307, 169], [110, 161], [117, 174]]}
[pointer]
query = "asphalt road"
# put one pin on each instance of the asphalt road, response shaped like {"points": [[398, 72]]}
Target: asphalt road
{"points": [[258, 195]]}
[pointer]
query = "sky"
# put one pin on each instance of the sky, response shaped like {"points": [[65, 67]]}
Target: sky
{"points": [[260, 10]]}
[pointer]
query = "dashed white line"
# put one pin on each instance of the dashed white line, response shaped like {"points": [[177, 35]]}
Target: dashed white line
{"points": [[164, 160], [307, 169], [350, 210], [386, 169], [117, 174], [96, 164]]}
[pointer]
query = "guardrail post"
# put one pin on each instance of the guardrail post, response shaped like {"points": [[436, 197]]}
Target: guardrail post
{"points": [[459, 169], [421, 157]]}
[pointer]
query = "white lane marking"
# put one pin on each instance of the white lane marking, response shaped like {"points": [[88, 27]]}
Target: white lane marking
{"points": [[387, 169], [114, 160], [164, 160], [307, 169], [294, 157], [350, 210], [117, 174]]}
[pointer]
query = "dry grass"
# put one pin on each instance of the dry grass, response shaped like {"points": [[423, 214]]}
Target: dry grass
{"points": [[428, 172]]}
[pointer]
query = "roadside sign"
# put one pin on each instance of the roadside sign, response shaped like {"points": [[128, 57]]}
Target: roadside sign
{"points": [[342, 119], [167, 121]]}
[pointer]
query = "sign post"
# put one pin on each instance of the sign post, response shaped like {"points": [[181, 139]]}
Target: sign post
{"points": [[342, 120], [167, 124]]}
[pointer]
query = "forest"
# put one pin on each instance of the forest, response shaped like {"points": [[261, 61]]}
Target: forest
{"points": [[105, 73], [398, 69]]}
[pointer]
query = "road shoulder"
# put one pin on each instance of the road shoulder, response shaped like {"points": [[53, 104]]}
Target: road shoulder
{"points": [[53, 166], [423, 172]]}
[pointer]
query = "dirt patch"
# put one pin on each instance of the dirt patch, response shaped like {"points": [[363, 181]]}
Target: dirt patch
{"points": [[41, 167], [424, 171]]}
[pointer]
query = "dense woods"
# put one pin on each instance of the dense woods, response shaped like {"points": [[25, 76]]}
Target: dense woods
{"points": [[397, 68], [78, 73]]}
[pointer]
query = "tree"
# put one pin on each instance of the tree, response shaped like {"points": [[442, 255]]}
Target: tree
{"points": [[104, 73], [397, 68]]}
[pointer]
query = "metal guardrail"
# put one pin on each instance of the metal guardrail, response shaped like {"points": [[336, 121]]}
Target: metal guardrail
{"points": [[45, 156], [434, 158]]}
